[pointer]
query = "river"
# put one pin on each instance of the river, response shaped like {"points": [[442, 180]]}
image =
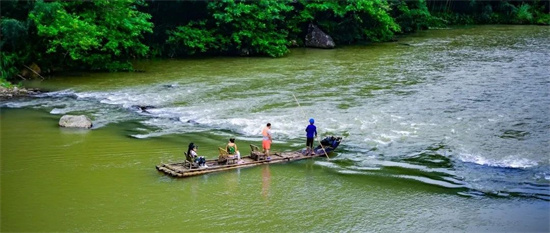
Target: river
{"points": [[444, 131]]}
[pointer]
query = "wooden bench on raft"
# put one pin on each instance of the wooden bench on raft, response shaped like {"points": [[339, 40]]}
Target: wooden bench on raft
{"points": [[255, 153], [189, 162], [226, 158]]}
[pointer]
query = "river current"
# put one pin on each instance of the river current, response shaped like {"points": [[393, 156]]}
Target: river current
{"points": [[464, 110]]}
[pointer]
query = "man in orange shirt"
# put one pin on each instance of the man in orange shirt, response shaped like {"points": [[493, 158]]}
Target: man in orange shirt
{"points": [[266, 142]]}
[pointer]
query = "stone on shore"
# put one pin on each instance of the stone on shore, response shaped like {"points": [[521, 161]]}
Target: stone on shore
{"points": [[8, 93], [318, 39]]}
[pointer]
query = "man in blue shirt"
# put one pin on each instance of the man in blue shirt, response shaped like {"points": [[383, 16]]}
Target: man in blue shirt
{"points": [[311, 134]]}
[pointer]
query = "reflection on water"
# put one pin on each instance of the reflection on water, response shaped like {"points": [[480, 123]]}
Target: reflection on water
{"points": [[266, 181], [232, 182]]}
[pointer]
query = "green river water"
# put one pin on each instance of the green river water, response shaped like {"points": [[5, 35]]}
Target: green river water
{"points": [[444, 131]]}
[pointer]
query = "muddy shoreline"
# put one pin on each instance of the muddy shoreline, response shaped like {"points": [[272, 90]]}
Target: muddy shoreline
{"points": [[14, 92]]}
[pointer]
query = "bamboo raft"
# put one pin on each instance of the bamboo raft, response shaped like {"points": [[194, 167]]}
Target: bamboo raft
{"points": [[225, 162]]}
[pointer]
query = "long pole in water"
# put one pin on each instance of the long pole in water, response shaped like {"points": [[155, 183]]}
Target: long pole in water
{"points": [[304, 117]]}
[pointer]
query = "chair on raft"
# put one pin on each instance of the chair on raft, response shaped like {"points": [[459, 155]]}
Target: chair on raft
{"points": [[225, 158], [189, 162], [256, 154]]}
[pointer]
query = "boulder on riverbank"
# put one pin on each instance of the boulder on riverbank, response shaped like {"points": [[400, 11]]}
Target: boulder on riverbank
{"points": [[316, 38], [72, 121]]}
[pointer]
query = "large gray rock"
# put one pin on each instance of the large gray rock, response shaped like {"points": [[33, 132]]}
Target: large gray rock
{"points": [[73, 121], [318, 39]]}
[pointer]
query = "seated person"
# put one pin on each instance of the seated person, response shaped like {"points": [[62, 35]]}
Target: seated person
{"points": [[192, 151], [232, 149]]}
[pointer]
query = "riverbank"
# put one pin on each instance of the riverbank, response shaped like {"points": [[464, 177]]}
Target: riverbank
{"points": [[8, 93]]}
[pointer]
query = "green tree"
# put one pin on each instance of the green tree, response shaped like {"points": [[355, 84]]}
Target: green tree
{"points": [[236, 27], [14, 51], [492, 12], [524, 15], [101, 34], [15, 43], [350, 21], [168, 15], [255, 27], [193, 38], [411, 15]]}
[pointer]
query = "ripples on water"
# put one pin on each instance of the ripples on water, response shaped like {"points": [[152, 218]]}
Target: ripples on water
{"points": [[463, 109]]}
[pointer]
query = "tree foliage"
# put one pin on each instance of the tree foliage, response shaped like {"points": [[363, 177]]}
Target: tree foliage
{"points": [[411, 15], [265, 27], [97, 34], [491, 12], [236, 27], [17, 35], [107, 35], [348, 21]]}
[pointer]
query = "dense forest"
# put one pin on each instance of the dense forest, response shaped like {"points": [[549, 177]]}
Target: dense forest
{"points": [[48, 36]]}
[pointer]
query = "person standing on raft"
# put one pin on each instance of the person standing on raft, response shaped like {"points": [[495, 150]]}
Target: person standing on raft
{"points": [[311, 133], [266, 142]]}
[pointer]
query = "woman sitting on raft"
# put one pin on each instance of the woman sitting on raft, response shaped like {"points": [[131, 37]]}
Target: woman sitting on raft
{"points": [[232, 149], [192, 151]]}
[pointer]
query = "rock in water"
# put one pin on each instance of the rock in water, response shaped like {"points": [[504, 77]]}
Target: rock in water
{"points": [[318, 39], [73, 121]]}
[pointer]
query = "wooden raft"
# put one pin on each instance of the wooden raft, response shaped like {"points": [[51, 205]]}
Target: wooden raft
{"points": [[183, 170], [226, 162]]}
